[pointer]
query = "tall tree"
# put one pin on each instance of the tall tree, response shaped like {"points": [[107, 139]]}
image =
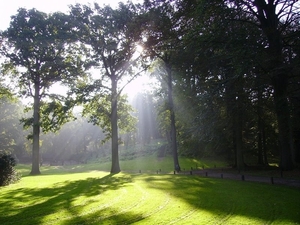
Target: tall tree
{"points": [[112, 36], [216, 74], [275, 20], [162, 36], [38, 54]]}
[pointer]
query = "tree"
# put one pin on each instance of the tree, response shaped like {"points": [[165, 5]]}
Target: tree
{"points": [[162, 36], [8, 174], [275, 20], [216, 74], [38, 54], [112, 36], [98, 110]]}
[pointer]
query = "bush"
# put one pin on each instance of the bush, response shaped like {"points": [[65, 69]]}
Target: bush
{"points": [[8, 174]]}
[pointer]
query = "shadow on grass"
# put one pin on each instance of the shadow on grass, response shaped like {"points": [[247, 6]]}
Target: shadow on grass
{"points": [[48, 202], [233, 199], [81, 201]]}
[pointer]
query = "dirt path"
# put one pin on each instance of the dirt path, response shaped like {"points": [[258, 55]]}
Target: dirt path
{"points": [[233, 175]]}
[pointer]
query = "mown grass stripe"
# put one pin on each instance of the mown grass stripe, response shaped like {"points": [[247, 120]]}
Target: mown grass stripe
{"points": [[100, 198]]}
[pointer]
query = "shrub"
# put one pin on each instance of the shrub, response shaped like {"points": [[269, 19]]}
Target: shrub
{"points": [[8, 174]]}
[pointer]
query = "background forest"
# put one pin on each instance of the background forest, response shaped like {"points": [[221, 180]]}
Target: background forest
{"points": [[227, 83]]}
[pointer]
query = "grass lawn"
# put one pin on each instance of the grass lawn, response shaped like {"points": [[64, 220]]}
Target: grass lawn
{"points": [[145, 164], [80, 196]]}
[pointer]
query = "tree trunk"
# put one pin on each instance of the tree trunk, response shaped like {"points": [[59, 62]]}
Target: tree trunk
{"points": [[295, 102], [239, 139], [35, 169], [230, 118], [283, 118], [260, 155], [264, 143], [239, 125], [172, 121], [115, 166], [275, 65]]}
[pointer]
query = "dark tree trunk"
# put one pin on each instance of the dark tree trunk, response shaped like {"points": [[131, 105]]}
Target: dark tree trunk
{"points": [[230, 109], [115, 166], [260, 157], [264, 143], [283, 118], [260, 152], [268, 18], [239, 137], [239, 124], [295, 101], [297, 147], [36, 132], [172, 121], [234, 145]]}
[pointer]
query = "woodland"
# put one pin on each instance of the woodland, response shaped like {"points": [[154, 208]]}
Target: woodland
{"points": [[227, 82]]}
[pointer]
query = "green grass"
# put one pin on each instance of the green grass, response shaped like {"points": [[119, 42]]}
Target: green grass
{"points": [[145, 164], [148, 164], [77, 195]]}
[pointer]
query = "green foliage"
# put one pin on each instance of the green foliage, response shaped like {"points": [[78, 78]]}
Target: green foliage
{"points": [[54, 114], [98, 110], [111, 36], [40, 51], [46, 55], [221, 58], [8, 174], [220, 61], [5, 92]]}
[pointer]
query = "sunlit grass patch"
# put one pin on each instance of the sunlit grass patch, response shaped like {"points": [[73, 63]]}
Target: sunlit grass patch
{"points": [[151, 163], [145, 164]]}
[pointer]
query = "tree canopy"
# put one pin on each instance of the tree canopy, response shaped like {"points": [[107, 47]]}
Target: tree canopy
{"points": [[228, 74]]}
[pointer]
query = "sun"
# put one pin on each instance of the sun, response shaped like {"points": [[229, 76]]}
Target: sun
{"points": [[141, 83], [138, 51]]}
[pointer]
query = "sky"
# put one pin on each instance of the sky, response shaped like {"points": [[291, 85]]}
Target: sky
{"points": [[10, 8]]}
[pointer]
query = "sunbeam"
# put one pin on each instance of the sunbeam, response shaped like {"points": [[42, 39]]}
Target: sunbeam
{"points": [[141, 84]]}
